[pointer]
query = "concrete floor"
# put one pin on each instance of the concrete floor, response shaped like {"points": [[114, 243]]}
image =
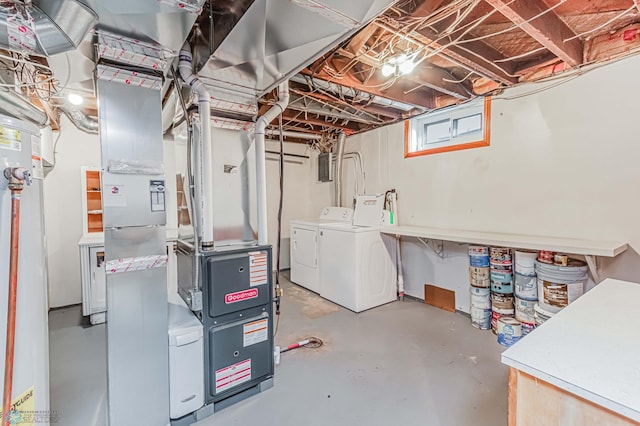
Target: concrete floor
{"points": [[404, 363]]}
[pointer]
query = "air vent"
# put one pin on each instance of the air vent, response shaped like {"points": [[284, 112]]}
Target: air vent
{"points": [[325, 171]]}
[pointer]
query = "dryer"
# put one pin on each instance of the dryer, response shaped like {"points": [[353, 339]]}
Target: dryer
{"points": [[304, 245], [358, 263]]}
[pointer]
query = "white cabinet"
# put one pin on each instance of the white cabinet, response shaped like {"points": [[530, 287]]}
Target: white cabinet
{"points": [[94, 291]]}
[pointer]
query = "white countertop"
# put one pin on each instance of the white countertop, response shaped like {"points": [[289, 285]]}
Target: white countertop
{"points": [[97, 238], [531, 242], [591, 348]]}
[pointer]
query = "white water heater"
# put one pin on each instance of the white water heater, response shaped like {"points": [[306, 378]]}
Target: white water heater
{"points": [[20, 147]]}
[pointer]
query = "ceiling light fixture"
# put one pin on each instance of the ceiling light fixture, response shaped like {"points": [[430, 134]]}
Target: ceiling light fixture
{"points": [[398, 65], [75, 99]]}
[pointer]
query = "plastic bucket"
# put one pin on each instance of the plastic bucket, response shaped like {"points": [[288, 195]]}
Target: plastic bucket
{"points": [[479, 261], [525, 262], [479, 277], [502, 301], [526, 287], [480, 298], [504, 288], [500, 255], [509, 331], [558, 286], [501, 276], [524, 310], [496, 314], [481, 318], [527, 327], [541, 315]]}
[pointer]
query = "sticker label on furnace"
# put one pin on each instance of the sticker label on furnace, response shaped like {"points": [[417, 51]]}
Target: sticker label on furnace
{"points": [[255, 332], [234, 375], [258, 273]]}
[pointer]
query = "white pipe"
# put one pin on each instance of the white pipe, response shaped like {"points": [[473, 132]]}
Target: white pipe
{"points": [[290, 134], [394, 209], [204, 197], [261, 167], [337, 179]]}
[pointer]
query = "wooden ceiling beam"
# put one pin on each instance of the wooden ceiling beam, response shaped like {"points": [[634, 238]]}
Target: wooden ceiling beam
{"points": [[394, 93], [302, 90], [548, 30], [472, 56], [299, 117], [426, 8]]}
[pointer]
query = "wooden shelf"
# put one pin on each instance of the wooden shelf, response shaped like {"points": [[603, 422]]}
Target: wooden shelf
{"points": [[92, 200]]}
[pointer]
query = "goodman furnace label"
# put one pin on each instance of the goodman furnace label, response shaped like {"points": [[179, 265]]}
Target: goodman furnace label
{"points": [[234, 375], [255, 332], [258, 268]]}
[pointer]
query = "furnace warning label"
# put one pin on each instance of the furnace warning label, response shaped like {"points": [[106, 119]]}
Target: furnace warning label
{"points": [[234, 375], [258, 268], [255, 332]]}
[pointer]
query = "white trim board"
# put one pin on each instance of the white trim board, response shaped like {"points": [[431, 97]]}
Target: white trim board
{"points": [[531, 242]]}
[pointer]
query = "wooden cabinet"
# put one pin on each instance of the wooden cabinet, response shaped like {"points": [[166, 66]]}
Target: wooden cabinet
{"points": [[91, 200]]}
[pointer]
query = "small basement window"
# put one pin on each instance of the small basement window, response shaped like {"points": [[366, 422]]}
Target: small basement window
{"points": [[451, 129]]}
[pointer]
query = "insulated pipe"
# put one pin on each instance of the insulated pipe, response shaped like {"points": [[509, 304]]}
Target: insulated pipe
{"points": [[337, 179], [400, 275], [261, 162], [81, 120], [299, 135], [16, 177], [204, 197]]}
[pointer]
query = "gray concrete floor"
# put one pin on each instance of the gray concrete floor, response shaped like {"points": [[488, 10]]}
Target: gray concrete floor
{"points": [[404, 363]]}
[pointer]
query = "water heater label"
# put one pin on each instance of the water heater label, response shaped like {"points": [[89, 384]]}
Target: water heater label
{"points": [[233, 375], [10, 139], [255, 332], [258, 268], [240, 296]]}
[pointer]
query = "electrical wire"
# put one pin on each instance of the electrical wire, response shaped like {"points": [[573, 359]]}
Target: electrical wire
{"points": [[279, 237], [599, 27]]}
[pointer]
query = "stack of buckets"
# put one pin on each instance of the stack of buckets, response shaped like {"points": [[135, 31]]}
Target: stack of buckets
{"points": [[526, 289], [479, 278], [502, 303]]}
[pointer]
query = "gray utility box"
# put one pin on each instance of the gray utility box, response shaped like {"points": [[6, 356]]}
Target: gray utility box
{"points": [[237, 318]]}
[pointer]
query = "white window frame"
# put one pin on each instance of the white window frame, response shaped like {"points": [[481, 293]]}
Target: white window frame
{"points": [[415, 129]]}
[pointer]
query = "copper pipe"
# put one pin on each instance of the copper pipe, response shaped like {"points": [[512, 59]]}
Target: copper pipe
{"points": [[15, 185]]}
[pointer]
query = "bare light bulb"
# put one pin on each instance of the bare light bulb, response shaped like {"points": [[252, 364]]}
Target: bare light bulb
{"points": [[75, 99], [406, 67], [388, 70]]}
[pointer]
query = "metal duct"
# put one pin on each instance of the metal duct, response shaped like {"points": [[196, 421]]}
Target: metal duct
{"points": [[57, 26], [338, 172], [18, 106], [81, 120]]}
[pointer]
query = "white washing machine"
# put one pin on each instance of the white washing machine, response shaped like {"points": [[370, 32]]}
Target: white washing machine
{"points": [[304, 245], [358, 263]]}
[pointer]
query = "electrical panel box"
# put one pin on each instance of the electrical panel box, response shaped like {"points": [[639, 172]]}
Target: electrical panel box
{"points": [[325, 169]]}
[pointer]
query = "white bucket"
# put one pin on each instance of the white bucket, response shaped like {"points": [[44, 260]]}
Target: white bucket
{"points": [[481, 318], [526, 287], [496, 314], [525, 310], [558, 286], [509, 331], [541, 315], [479, 276], [480, 298], [525, 262]]}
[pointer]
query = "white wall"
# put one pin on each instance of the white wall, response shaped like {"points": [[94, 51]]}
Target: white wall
{"points": [[63, 212], [562, 162]]}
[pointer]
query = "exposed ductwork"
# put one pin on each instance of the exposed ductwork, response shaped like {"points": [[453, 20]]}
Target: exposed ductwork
{"points": [[18, 106], [337, 180], [204, 171], [261, 166], [81, 120], [56, 26], [299, 135]]}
